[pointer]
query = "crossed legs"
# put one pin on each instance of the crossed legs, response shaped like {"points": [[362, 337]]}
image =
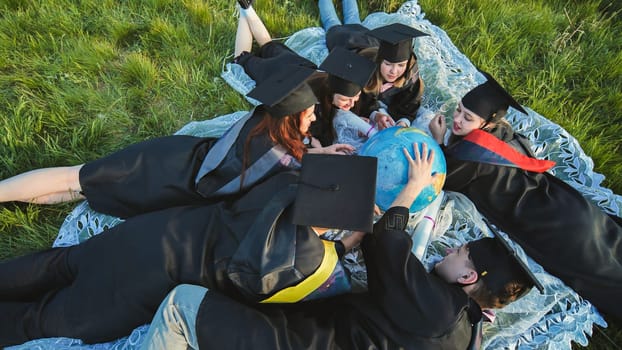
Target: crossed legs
{"points": [[250, 26]]}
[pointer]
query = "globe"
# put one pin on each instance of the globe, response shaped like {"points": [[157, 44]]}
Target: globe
{"points": [[392, 175]]}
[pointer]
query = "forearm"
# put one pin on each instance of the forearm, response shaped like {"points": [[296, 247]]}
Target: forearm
{"points": [[407, 196], [315, 150]]}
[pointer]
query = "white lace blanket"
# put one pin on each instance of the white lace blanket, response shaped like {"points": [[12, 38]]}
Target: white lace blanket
{"points": [[549, 321]]}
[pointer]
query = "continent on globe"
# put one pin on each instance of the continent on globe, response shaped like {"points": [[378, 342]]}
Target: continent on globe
{"points": [[392, 175]]}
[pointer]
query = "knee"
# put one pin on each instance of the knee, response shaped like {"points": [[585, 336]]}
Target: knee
{"points": [[183, 293]]}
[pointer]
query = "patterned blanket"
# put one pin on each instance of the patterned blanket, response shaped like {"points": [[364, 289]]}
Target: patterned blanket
{"points": [[549, 321]]}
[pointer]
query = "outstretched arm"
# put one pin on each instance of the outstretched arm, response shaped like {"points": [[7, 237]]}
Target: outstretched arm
{"points": [[43, 186], [397, 280]]}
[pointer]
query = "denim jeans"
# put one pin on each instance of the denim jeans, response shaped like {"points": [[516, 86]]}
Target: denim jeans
{"points": [[174, 325], [328, 15]]}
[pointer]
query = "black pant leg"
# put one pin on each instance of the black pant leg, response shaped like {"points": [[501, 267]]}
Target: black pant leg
{"points": [[13, 330], [28, 277]]}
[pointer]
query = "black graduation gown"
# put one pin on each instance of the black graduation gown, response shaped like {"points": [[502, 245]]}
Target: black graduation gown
{"points": [[161, 172], [405, 308], [103, 288], [270, 59], [555, 224], [402, 102]]}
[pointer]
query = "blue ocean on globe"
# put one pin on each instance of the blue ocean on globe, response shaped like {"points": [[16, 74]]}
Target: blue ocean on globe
{"points": [[392, 175]]}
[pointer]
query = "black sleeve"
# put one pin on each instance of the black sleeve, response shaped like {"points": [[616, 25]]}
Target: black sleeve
{"points": [[407, 294], [406, 102], [396, 218]]}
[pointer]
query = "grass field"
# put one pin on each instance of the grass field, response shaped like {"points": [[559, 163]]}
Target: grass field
{"points": [[81, 78]]}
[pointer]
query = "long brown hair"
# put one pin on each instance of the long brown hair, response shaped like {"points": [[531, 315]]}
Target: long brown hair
{"points": [[323, 126], [328, 110], [376, 81]]}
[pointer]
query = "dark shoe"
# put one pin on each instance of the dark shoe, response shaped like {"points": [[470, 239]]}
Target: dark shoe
{"points": [[245, 3]]}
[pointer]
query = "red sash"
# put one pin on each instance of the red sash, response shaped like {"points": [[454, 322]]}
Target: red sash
{"points": [[483, 147]]}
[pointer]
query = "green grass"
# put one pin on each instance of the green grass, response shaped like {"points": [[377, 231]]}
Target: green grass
{"points": [[79, 79]]}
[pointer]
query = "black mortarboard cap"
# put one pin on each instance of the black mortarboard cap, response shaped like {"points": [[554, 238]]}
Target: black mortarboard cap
{"points": [[336, 191], [488, 98], [395, 41], [495, 258], [286, 92], [348, 73]]}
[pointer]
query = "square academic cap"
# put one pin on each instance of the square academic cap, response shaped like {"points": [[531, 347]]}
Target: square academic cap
{"points": [[286, 92], [336, 191], [495, 258], [488, 98], [396, 41], [348, 71]]}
